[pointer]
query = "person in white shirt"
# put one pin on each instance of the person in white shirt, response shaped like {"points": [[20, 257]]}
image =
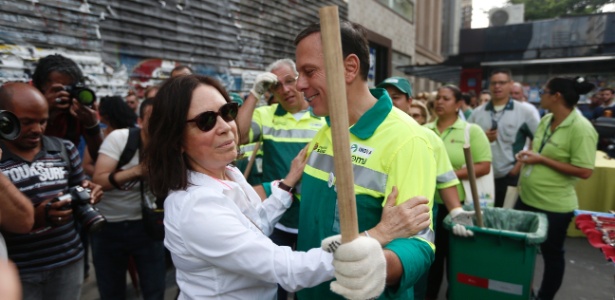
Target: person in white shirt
{"points": [[216, 225]]}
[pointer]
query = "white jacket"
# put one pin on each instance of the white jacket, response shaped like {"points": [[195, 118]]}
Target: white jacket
{"points": [[218, 251]]}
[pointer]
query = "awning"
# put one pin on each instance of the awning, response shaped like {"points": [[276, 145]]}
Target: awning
{"points": [[562, 60], [439, 73]]}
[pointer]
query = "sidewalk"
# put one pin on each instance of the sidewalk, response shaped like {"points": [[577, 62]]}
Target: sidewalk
{"points": [[588, 277]]}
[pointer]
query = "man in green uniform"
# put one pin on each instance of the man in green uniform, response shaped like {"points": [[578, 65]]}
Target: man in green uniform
{"points": [[388, 150], [283, 130]]}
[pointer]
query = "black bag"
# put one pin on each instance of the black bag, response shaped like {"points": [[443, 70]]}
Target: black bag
{"points": [[151, 215]]}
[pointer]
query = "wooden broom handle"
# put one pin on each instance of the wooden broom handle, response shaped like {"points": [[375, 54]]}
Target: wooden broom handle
{"points": [[338, 113]]}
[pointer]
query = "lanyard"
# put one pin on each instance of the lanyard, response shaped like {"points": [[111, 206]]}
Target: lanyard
{"points": [[545, 138], [447, 133], [493, 113]]}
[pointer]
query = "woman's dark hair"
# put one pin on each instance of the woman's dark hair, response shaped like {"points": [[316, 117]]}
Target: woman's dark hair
{"points": [[456, 91], [117, 112], [55, 63], [569, 88], [166, 163]]}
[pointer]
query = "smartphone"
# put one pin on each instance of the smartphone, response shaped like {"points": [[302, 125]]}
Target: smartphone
{"points": [[494, 125]]}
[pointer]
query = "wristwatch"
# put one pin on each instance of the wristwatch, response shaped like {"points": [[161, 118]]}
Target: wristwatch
{"points": [[285, 187]]}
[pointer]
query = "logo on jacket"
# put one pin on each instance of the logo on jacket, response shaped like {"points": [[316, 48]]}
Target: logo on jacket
{"points": [[360, 150]]}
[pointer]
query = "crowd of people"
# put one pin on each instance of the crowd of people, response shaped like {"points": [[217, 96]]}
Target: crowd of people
{"points": [[249, 192]]}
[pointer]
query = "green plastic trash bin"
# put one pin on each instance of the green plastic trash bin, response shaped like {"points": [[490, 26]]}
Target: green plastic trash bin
{"points": [[498, 261]]}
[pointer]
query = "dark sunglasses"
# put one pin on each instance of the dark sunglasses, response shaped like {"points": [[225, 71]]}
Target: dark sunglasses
{"points": [[207, 120]]}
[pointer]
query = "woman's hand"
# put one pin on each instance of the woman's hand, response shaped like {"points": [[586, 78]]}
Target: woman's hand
{"points": [[529, 157], [403, 220], [296, 168], [96, 191]]}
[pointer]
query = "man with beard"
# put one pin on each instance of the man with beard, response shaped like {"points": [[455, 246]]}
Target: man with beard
{"points": [[50, 256]]}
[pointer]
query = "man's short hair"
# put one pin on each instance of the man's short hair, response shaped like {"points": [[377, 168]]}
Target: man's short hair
{"points": [[607, 89], [502, 71], [354, 41], [466, 98], [280, 62]]}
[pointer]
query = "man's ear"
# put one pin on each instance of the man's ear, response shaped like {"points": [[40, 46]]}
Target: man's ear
{"points": [[351, 67]]}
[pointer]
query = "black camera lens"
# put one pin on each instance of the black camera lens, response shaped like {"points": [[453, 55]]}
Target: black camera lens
{"points": [[9, 125], [82, 93], [86, 96], [91, 219]]}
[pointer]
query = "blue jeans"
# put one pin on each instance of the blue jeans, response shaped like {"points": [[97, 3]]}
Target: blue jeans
{"points": [[111, 248], [61, 283], [552, 250]]}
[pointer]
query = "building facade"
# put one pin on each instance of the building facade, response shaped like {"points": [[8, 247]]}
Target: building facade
{"points": [[123, 44]]}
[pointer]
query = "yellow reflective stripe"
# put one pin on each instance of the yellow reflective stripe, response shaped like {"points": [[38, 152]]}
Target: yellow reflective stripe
{"points": [[363, 176], [256, 131], [289, 133]]}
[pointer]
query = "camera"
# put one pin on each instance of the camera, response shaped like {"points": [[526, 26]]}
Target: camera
{"points": [[9, 125], [82, 93], [89, 216]]}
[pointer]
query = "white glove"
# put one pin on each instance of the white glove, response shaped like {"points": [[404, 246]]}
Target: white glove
{"points": [[460, 230], [262, 83], [360, 267], [462, 218]]}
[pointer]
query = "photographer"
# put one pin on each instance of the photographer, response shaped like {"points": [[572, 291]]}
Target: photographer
{"points": [[56, 76], [50, 256]]}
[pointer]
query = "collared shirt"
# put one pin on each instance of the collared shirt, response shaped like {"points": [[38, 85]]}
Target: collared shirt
{"points": [[388, 148], [283, 136], [217, 232], [516, 123], [453, 138], [446, 176], [573, 142], [49, 173]]}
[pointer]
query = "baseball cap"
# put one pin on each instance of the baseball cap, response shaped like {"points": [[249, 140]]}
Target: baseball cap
{"points": [[236, 98], [400, 83]]}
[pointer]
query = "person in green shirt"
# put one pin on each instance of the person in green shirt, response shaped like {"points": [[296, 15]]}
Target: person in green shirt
{"points": [[563, 150], [451, 129], [388, 150]]}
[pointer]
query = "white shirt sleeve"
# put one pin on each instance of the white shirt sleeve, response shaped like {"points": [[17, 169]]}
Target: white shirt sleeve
{"points": [[212, 227]]}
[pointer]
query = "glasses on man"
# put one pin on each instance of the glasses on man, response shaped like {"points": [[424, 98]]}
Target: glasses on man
{"points": [[287, 81], [207, 120]]}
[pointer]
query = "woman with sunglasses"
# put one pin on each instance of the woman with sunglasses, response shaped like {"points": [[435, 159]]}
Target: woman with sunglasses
{"points": [[216, 225], [563, 150], [451, 130]]}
